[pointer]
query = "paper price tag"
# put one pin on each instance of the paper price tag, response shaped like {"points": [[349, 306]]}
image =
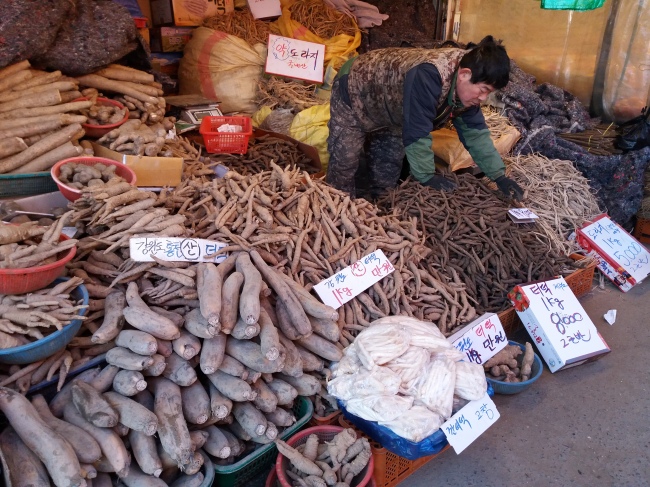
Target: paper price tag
{"points": [[470, 422], [295, 58], [628, 257], [481, 340], [522, 215], [175, 249], [345, 285]]}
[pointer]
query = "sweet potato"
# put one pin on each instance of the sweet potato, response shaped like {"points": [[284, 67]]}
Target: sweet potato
{"points": [[310, 362], [157, 367], [126, 359], [284, 392], [306, 385], [18, 233], [280, 417], [212, 353], [164, 347], [217, 443], [187, 480], [244, 331], [84, 446], [249, 301], [292, 358], [220, 405], [179, 370], [64, 396], [172, 427], [196, 403], [137, 478], [145, 453], [23, 467], [151, 322], [266, 401], [233, 367], [250, 354], [198, 326], [209, 291], [104, 380], [230, 293], [93, 407], [321, 347], [231, 387], [132, 414], [269, 337], [137, 341], [113, 318], [186, 345], [129, 382]]}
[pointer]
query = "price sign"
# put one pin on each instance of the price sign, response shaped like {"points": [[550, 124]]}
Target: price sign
{"points": [[470, 422], [264, 9], [481, 339], [345, 285], [175, 249], [611, 273], [522, 215], [557, 323], [623, 252], [295, 58]]}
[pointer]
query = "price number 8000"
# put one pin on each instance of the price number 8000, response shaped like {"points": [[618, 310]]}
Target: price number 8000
{"points": [[561, 321]]}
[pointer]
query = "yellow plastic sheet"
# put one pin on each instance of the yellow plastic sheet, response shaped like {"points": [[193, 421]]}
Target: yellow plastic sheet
{"points": [[260, 115], [310, 127], [337, 49]]}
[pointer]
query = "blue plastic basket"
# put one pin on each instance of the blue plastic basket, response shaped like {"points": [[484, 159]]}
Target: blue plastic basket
{"points": [[396, 444], [45, 347], [537, 368]]}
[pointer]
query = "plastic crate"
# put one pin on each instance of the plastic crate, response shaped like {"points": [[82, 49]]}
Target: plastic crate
{"points": [[252, 470], [642, 229], [579, 282], [390, 469], [26, 184], [226, 142]]}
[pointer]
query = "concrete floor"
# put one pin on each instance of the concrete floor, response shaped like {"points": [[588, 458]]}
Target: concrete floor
{"points": [[585, 426]]}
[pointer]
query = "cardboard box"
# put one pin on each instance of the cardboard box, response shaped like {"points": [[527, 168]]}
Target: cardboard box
{"points": [[149, 171], [170, 39], [560, 327], [481, 339], [187, 13]]}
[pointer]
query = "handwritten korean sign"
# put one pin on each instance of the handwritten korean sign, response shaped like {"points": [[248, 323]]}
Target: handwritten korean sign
{"points": [[522, 215], [174, 249], [558, 324], [625, 254], [470, 422], [611, 273], [481, 339], [348, 283], [295, 58], [264, 9]]}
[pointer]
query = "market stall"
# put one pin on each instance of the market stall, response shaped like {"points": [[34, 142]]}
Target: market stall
{"points": [[185, 300]]}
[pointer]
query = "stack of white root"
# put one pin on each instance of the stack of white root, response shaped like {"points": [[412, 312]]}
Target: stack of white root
{"points": [[38, 124], [188, 381]]}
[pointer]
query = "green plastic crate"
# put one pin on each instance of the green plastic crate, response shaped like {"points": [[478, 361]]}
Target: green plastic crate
{"points": [[252, 470], [26, 184]]}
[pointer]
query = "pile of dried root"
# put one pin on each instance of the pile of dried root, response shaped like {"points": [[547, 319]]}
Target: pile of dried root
{"points": [[275, 92], [472, 238], [240, 23], [321, 19], [558, 193]]}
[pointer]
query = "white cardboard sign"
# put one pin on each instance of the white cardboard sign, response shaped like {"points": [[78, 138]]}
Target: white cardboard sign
{"points": [[264, 9], [470, 422], [175, 249], [623, 252], [481, 339], [559, 325], [522, 215], [353, 280], [295, 58]]}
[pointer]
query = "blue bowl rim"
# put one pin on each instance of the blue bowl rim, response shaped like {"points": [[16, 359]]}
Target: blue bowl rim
{"points": [[75, 323], [525, 383]]}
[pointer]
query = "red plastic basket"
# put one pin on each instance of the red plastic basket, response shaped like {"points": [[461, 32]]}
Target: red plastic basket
{"points": [[324, 433], [226, 142]]}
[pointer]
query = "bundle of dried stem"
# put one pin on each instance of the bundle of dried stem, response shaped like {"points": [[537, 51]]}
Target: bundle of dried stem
{"points": [[321, 19], [558, 193]]}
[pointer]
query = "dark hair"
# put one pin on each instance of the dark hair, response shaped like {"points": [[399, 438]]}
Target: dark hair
{"points": [[489, 63]]}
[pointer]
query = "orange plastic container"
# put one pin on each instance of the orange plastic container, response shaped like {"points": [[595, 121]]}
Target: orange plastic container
{"points": [[390, 469], [21, 281], [74, 194], [331, 418], [226, 142]]}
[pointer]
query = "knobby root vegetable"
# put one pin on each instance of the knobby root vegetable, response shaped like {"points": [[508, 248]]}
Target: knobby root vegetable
{"points": [[284, 391], [51, 448], [298, 460], [217, 443], [250, 418], [137, 341], [230, 294], [196, 403], [145, 453], [113, 318], [527, 362], [212, 353], [126, 359], [179, 370], [249, 301], [132, 414], [233, 388], [220, 405], [209, 291], [92, 406], [250, 354], [129, 382]]}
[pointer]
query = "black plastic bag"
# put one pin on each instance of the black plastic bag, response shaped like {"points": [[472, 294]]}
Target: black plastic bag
{"points": [[634, 134]]}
